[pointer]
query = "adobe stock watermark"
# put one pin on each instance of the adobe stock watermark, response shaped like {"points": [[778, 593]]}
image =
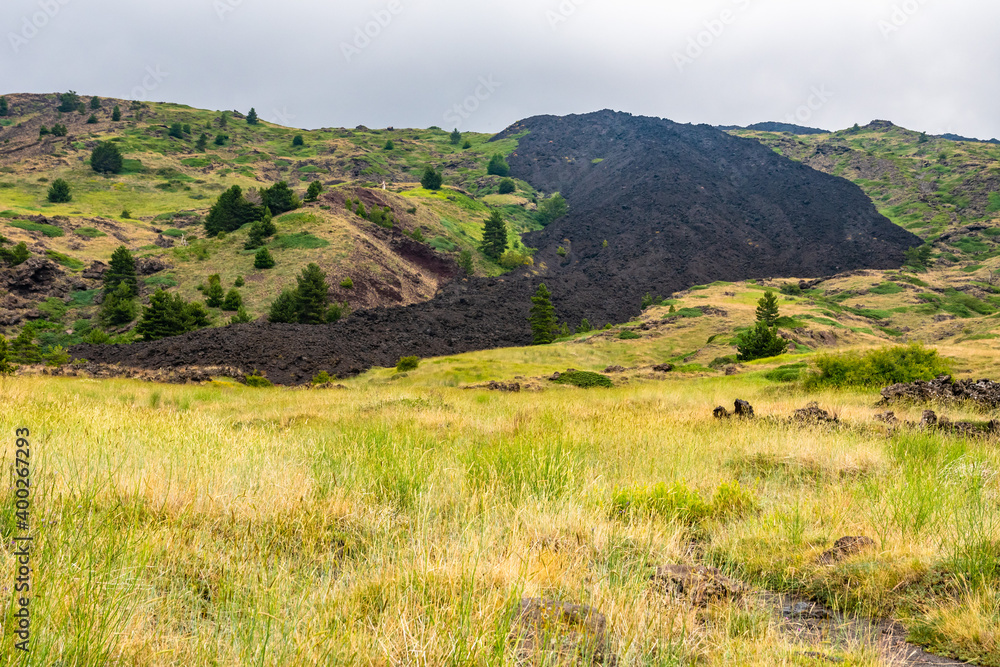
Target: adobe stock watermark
{"points": [[715, 28], [151, 81], [282, 117], [561, 14], [365, 35], [454, 116], [224, 8], [817, 100], [901, 15], [32, 24]]}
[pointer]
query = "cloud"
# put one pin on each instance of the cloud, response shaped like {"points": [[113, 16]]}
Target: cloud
{"points": [[925, 64]]}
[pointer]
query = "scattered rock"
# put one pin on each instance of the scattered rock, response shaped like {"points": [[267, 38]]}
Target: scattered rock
{"points": [[147, 266], [732, 370], [614, 369], [512, 387], [34, 276], [164, 241], [742, 409], [552, 632], [663, 368], [96, 271], [699, 583], [943, 388], [887, 418], [814, 414], [720, 413], [806, 610], [845, 547]]}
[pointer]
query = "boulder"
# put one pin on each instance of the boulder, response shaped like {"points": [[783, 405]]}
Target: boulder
{"points": [[698, 583], [552, 632], [814, 414], [846, 547], [34, 276]]}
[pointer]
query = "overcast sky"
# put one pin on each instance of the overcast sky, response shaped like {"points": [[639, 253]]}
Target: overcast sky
{"points": [[928, 65]]}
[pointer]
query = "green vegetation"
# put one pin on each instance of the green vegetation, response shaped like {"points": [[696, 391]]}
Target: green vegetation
{"points": [[59, 192], [168, 315], [552, 209], [543, 319], [498, 166], [121, 270], [432, 179], [106, 158], [878, 368], [407, 364], [263, 259], [762, 341], [494, 236], [49, 230], [584, 379]]}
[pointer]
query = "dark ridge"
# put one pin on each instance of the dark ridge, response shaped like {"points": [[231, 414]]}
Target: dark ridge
{"points": [[956, 137], [774, 127], [679, 205]]}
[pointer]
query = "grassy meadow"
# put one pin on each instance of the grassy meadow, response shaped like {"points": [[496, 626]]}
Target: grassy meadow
{"points": [[400, 520]]}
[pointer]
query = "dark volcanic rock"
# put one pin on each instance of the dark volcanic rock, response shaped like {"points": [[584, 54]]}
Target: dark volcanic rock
{"points": [[984, 392], [680, 205]]}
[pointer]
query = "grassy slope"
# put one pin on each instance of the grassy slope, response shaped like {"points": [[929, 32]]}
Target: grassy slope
{"points": [[168, 186]]}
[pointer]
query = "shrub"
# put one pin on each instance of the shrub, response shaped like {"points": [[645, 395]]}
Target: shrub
{"points": [[121, 270], [629, 335], [298, 140], [119, 306], [512, 259], [455, 137], [389, 145], [878, 368], [465, 262], [347, 283], [432, 179], [787, 373], [56, 356], [241, 316], [176, 131], [407, 364], [315, 188], [214, 295], [202, 143], [59, 130], [279, 198], [116, 114], [59, 192], [233, 301], [283, 309], [6, 368], [92, 120], [106, 158], [584, 379], [18, 255], [221, 139], [322, 378], [552, 209], [258, 381], [498, 166], [24, 349], [263, 259], [230, 212], [4, 110], [760, 342], [507, 186], [584, 326], [494, 236], [167, 316], [239, 282]]}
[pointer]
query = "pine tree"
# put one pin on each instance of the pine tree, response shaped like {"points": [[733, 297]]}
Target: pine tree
{"points": [[280, 198], [176, 131], [23, 349], [432, 179], [465, 262], [4, 109], [95, 103], [42, 131], [767, 309], [543, 317], [19, 254], [389, 145], [255, 238], [507, 186], [498, 166], [298, 140], [221, 139], [233, 301], [284, 309], [214, 295], [119, 306], [267, 226], [456, 137], [760, 342], [106, 158], [116, 114], [263, 259], [69, 102], [59, 192], [163, 317], [494, 236], [59, 130], [252, 117], [230, 212], [6, 368], [315, 188], [122, 270], [241, 316], [92, 120], [202, 143], [312, 295]]}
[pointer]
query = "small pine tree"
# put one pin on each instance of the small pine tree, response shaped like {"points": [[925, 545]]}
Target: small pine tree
{"points": [[284, 309], [176, 131], [760, 342], [161, 318], [494, 236], [221, 139], [584, 326], [230, 212], [280, 198], [214, 294], [465, 262], [42, 131], [252, 117], [255, 239], [498, 166], [389, 145], [95, 103], [432, 179], [298, 140], [241, 316], [315, 188], [6, 368], [4, 108], [69, 102], [59, 130], [186, 129], [224, 120], [92, 120], [456, 137], [19, 254], [122, 270], [23, 349], [119, 307], [263, 259], [543, 317], [767, 309], [267, 226], [467, 145], [59, 192], [116, 114], [233, 301], [312, 295], [106, 158], [202, 143], [239, 282]]}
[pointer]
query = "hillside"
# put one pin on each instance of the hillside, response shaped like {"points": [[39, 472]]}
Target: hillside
{"points": [[654, 207]]}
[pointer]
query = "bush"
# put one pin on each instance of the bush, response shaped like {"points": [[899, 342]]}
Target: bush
{"points": [[116, 114], [167, 316], [4, 110], [18, 255], [239, 282], [787, 373], [298, 140], [432, 179], [322, 378], [279, 198], [878, 368], [176, 131], [455, 137], [106, 158], [465, 262], [258, 381], [498, 166], [233, 301], [214, 295], [389, 145], [241, 316], [230, 212], [584, 379], [284, 309], [629, 335], [59, 130], [121, 271], [760, 342], [24, 349], [59, 192], [56, 356], [263, 259], [69, 101], [347, 283], [6, 368], [92, 120], [221, 139], [407, 364], [512, 259], [552, 209], [507, 186], [315, 188]]}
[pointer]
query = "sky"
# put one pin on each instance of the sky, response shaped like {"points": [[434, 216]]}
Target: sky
{"points": [[481, 65]]}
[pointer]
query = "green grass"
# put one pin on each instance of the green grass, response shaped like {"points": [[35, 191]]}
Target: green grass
{"points": [[89, 232], [49, 230], [65, 260], [301, 240]]}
